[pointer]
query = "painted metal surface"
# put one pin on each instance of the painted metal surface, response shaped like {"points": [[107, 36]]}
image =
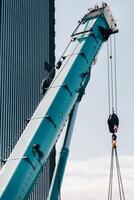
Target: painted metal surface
{"points": [[55, 188], [32, 150]]}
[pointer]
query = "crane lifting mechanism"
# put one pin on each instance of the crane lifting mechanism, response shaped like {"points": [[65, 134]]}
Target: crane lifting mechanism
{"points": [[59, 105]]}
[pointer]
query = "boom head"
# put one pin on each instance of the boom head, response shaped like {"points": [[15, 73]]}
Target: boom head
{"points": [[106, 12], [90, 18]]}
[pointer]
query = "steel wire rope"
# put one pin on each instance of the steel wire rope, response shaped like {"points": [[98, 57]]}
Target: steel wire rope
{"points": [[55, 86], [54, 68], [112, 105], [119, 174], [108, 75], [115, 73], [112, 75], [61, 69], [111, 71], [67, 48], [111, 177], [119, 177]]}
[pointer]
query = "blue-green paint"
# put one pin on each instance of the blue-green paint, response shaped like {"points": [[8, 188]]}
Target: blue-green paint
{"points": [[18, 175]]}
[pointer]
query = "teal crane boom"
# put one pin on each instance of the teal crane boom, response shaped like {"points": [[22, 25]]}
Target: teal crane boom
{"points": [[54, 192], [25, 163]]}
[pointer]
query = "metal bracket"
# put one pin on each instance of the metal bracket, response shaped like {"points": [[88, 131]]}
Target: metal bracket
{"points": [[94, 37], [67, 88], [50, 119], [37, 152], [84, 56], [83, 75], [29, 161]]}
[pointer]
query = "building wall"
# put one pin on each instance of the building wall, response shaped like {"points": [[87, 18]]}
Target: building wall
{"points": [[26, 57]]}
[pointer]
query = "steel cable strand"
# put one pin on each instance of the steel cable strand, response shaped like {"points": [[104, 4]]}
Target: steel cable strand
{"points": [[115, 73], [111, 69], [121, 183], [111, 177], [118, 175], [108, 77]]}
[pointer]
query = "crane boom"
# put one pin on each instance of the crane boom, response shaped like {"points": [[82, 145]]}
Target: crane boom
{"points": [[54, 192], [22, 168]]}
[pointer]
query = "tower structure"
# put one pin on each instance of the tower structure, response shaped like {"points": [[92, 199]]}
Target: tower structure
{"points": [[27, 51]]}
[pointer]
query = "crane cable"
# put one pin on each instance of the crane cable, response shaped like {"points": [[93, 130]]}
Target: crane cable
{"points": [[113, 120], [114, 155], [112, 75]]}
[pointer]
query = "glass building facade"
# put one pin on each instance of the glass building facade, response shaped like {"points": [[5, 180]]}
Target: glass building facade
{"points": [[26, 56]]}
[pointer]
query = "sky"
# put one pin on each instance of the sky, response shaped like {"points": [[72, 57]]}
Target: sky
{"points": [[87, 169]]}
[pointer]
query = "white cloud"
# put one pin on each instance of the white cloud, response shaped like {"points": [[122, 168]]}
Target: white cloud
{"points": [[88, 180]]}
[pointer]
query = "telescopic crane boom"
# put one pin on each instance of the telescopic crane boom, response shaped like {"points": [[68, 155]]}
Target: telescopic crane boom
{"points": [[22, 168]]}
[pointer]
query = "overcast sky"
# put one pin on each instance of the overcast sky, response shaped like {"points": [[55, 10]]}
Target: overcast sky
{"points": [[91, 143]]}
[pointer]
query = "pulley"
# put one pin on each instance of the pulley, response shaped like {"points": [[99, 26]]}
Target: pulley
{"points": [[113, 123]]}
